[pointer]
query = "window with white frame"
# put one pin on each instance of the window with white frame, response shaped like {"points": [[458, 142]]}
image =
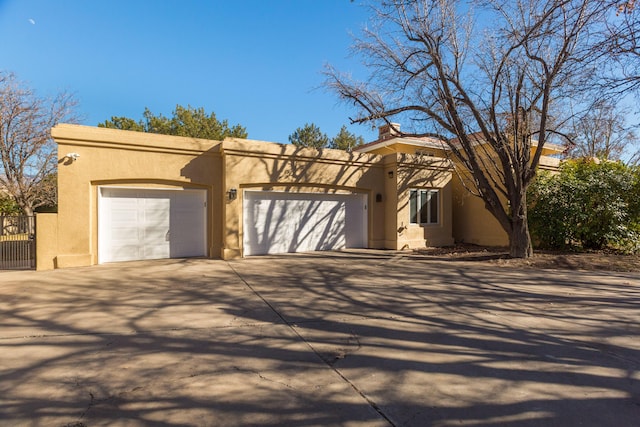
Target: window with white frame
{"points": [[424, 206]]}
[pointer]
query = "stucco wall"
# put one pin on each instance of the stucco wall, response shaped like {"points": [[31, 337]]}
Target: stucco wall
{"points": [[108, 157], [423, 172], [254, 165], [465, 217], [415, 171], [121, 158], [472, 222], [391, 226], [46, 240]]}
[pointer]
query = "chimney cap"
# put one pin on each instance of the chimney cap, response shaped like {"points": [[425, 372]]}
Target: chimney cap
{"points": [[388, 131]]}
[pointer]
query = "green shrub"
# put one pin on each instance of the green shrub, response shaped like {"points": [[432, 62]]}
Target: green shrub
{"points": [[587, 204], [8, 206]]}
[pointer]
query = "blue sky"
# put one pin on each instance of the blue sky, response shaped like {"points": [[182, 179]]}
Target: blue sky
{"points": [[253, 62]]}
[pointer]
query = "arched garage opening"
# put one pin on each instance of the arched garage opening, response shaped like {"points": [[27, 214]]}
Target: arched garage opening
{"points": [[279, 222], [142, 223]]}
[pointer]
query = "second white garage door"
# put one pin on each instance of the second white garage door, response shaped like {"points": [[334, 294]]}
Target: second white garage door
{"points": [[137, 224], [279, 222]]}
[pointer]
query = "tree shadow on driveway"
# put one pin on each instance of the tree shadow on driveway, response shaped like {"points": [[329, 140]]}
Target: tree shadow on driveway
{"points": [[341, 338], [442, 343]]}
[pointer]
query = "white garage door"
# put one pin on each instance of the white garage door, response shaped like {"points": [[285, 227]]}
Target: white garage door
{"points": [[136, 224], [277, 222]]}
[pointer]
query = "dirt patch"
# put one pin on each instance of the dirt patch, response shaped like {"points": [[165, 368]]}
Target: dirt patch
{"points": [[589, 261]]}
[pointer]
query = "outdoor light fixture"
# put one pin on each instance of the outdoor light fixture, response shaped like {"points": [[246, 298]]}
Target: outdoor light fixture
{"points": [[233, 194], [378, 198], [390, 174], [72, 156]]}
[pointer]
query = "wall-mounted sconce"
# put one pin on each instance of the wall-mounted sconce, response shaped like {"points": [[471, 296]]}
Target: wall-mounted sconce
{"points": [[233, 194], [378, 198], [390, 173], [72, 156]]}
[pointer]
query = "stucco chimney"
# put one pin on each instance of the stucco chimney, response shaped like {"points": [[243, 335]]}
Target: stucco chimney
{"points": [[388, 131]]}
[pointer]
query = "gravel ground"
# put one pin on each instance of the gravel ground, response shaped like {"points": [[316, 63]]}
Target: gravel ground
{"points": [[586, 261]]}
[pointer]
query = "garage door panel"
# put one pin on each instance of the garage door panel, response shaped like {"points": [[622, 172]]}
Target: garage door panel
{"points": [[323, 226], [277, 222], [188, 225], [156, 215], [120, 213], [136, 224], [155, 252], [356, 228], [124, 234], [124, 216], [157, 234], [125, 254]]}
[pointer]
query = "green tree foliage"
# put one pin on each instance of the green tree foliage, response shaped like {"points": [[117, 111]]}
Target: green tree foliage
{"points": [[345, 140], [309, 135], [189, 121], [8, 205], [588, 204], [125, 123]]}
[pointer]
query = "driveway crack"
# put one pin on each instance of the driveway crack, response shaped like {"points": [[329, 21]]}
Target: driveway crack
{"points": [[262, 377], [293, 329]]}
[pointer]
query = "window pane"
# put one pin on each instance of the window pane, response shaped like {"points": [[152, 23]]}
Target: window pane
{"points": [[433, 206], [424, 207], [413, 206]]}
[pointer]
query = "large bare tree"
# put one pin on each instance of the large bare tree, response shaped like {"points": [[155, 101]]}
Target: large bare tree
{"points": [[603, 132], [620, 46], [490, 78], [28, 154]]}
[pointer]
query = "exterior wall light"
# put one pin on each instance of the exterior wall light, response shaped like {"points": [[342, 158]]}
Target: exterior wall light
{"points": [[233, 194], [390, 174], [72, 156]]}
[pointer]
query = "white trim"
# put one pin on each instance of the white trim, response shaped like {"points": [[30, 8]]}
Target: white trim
{"points": [[414, 141], [174, 188], [437, 192]]}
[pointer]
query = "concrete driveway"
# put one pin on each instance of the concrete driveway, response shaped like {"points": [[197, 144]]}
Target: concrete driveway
{"points": [[343, 338]]}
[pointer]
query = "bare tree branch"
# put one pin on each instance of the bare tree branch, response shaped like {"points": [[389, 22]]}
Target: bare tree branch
{"points": [[27, 152], [602, 132], [487, 76]]}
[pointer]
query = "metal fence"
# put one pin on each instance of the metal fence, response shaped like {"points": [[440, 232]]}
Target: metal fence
{"points": [[17, 242]]}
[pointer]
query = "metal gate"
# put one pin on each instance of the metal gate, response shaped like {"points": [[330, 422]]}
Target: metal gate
{"points": [[17, 242]]}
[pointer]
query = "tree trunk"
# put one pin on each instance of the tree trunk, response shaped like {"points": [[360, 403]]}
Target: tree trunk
{"points": [[24, 206], [519, 238]]}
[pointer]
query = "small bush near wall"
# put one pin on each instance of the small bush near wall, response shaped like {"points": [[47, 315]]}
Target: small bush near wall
{"points": [[8, 206], [589, 205]]}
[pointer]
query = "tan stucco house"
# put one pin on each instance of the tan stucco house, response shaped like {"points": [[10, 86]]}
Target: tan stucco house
{"points": [[128, 196]]}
